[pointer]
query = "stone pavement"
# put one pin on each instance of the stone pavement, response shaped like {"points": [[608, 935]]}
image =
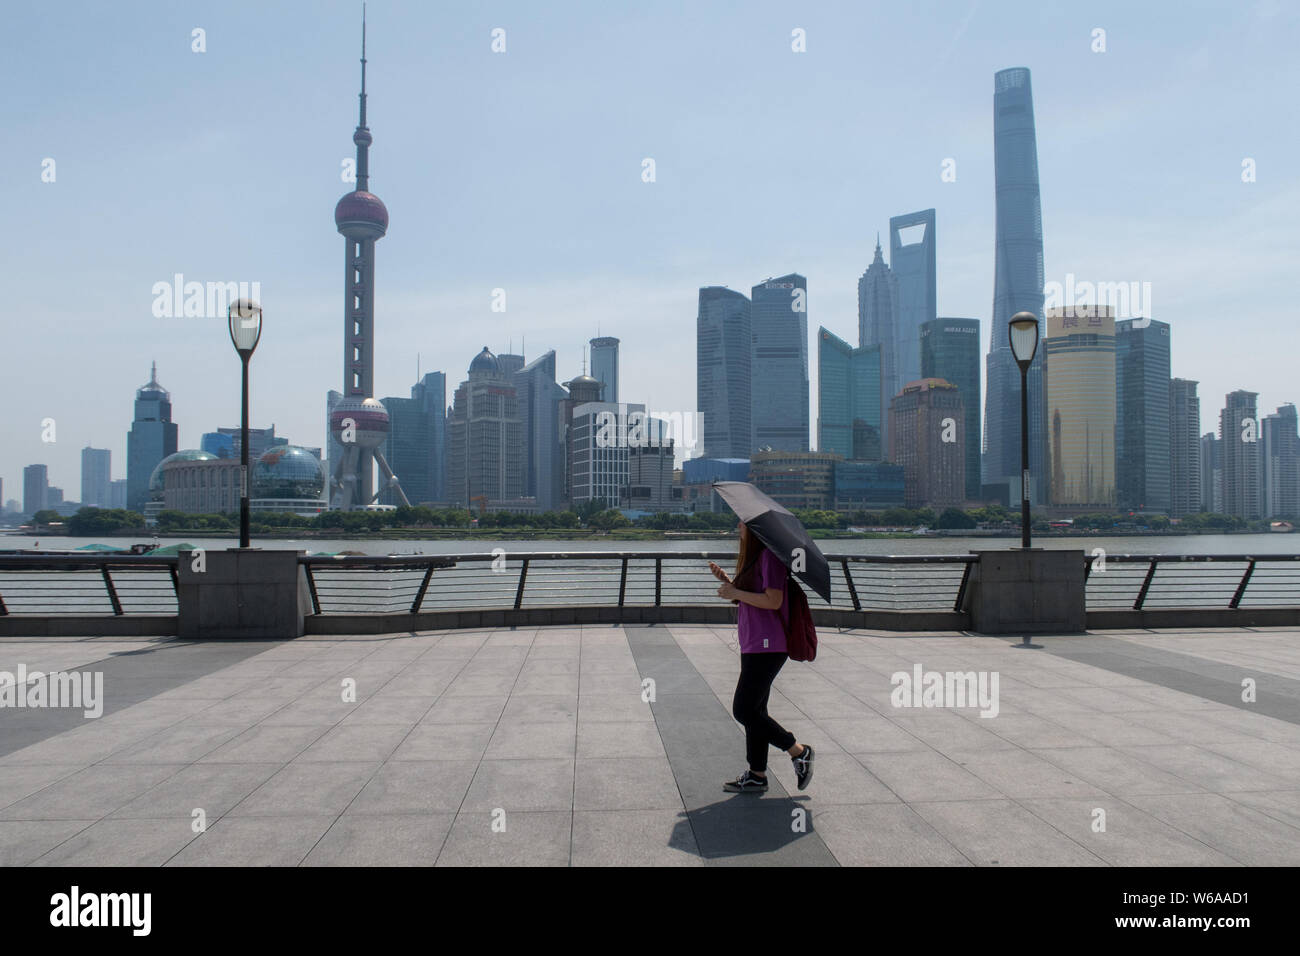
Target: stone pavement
{"points": [[536, 747]]}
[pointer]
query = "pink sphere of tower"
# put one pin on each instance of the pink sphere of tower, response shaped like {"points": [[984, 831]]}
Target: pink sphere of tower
{"points": [[367, 417]]}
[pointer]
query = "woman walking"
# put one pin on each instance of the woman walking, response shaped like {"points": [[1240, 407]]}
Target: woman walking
{"points": [[760, 591]]}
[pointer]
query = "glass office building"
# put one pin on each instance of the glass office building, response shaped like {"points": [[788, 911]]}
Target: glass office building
{"points": [[912, 260], [604, 366], [950, 350], [877, 325], [1017, 287], [1142, 415], [722, 373], [1184, 448], [416, 445], [1080, 384], [153, 436], [1238, 448], [539, 412], [779, 362], [848, 398]]}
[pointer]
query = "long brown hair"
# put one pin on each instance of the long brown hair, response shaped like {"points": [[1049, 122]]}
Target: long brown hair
{"points": [[747, 557]]}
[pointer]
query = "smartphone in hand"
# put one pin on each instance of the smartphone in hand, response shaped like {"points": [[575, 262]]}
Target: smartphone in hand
{"points": [[718, 573]]}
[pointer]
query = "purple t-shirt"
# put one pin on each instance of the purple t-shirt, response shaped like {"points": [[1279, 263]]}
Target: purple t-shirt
{"points": [[760, 631]]}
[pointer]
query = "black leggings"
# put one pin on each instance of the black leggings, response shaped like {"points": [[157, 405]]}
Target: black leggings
{"points": [[749, 706]]}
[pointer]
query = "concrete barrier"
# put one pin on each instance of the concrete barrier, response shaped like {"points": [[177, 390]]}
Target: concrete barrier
{"points": [[1027, 591], [248, 594]]}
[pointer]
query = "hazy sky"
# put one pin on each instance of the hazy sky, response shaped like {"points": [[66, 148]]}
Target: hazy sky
{"points": [[522, 170]]}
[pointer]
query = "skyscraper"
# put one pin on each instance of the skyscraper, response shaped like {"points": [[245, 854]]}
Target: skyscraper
{"points": [[1184, 448], [950, 350], [486, 460], [912, 260], [96, 477], [928, 441], [779, 360], [1211, 473], [604, 366], [599, 451], [1080, 387], [1142, 415], [539, 412], [1239, 453], [848, 398], [152, 438], [1017, 287], [362, 219], [36, 489], [878, 325], [722, 373], [1279, 464], [416, 442]]}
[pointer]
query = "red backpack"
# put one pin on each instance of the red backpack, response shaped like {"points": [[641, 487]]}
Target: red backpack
{"points": [[800, 635]]}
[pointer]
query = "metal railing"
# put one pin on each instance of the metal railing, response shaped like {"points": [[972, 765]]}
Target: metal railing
{"points": [[1152, 582], [423, 584], [34, 586], [108, 585]]}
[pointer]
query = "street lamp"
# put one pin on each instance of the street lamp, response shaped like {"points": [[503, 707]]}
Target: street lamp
{"points": [[1023, 332], [245, 318]]}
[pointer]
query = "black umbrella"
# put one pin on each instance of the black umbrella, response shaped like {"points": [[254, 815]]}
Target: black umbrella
{"points": [[781, 531]]}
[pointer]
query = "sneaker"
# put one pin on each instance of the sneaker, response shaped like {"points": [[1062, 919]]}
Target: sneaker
{"points": [[803, 766], [746, 783]]}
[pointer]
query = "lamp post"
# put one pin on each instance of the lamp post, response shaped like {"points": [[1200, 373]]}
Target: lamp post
{"points": [[245, 317], [1023, 332]]}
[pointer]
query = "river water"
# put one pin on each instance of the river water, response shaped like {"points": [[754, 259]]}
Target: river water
{"points": [[927, 544]]}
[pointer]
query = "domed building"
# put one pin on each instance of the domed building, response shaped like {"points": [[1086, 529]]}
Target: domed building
{"points": [[288, 478], [193, 481]]}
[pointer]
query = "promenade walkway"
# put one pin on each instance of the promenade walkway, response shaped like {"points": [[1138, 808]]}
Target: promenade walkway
{"points": [[535, 746]]}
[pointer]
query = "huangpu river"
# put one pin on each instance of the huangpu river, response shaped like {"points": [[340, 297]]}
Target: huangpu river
{"points": [[919, 544]]}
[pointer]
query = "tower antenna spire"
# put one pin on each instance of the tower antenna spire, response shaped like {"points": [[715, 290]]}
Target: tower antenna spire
{"points": [[362, 124]]}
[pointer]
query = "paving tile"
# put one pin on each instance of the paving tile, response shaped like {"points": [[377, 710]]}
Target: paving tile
{"points": [[382, 840], [435, 741], [634, 838], [625, 783], [883, 835], [306, 789], [1250, 836], [1003, 833], [522, 838], [542, 784], [415, 786], [255, 841], [211, 787]]}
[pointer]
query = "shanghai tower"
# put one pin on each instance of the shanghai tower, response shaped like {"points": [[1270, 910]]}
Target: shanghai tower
{"points": [[1017, 287]]}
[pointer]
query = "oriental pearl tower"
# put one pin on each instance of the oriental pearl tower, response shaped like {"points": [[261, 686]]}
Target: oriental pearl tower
{"points": [[358, 421]]}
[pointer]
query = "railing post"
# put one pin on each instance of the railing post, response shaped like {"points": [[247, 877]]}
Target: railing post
{"points": [[424, 586], [1241, 588], [1146, 585], [311, 588], [523, 576], [622, 583], [659, 575], [961, 589], [112, 591], [848, 579]]}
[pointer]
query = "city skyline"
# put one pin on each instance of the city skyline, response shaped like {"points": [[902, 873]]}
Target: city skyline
{"points": [[561, 308]]}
